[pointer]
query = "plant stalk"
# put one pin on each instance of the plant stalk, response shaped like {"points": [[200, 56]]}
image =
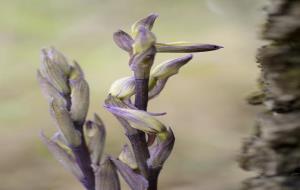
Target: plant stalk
{"points": [[141, 102], [83, 160]]}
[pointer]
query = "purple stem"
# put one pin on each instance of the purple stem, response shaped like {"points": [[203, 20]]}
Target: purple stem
{"points": [[83, 160], [141, 102]]}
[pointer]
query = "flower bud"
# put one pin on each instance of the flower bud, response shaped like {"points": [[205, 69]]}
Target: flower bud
{"points": [[106, 176], [76, 72], [170, 67], [161, 73], [58, 58], [94, 132], [123, 88], [65, 124], [65, 158], [145, 22], [133, 179], [139, 119], [143, 40], [160, 152], [127, 157], [79, 99], [141, 63], [49, 91], [157, 87], [54, 74]]}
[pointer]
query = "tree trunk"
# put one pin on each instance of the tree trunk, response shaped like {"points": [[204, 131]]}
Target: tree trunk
{"points": [[274, 149]]}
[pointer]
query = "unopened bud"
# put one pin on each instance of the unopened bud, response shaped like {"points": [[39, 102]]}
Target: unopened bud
{"points": [[143, 40], [65, 124], [127, 157], [123, 88], [161, 73], [49, 91], [106, 176], [170, 67], [161, 151], [94, 132], [65, 158], [79, 99], [76, 72], [59, 59], [145, 22], [139, 119], [134, 180], [54, 74]]}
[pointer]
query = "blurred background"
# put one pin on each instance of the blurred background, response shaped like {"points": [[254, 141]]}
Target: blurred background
{"points": [[205, 102]]}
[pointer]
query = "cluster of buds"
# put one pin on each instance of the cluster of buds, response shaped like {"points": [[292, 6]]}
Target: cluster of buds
{"points": [[79, 143]]}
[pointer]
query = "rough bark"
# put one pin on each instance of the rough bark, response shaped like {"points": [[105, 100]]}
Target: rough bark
{"points": [[274, 149]]}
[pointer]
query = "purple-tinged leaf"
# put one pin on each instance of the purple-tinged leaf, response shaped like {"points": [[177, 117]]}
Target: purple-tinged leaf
{"points": [[161, 151], [106, 176], [134, 180], [127, 157], [65, 158], [65, 124], [95, 134]]}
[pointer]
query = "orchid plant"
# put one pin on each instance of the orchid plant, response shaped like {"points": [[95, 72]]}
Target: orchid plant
{"points": [[79, 143]]}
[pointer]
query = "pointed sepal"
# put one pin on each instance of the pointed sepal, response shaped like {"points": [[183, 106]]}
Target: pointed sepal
{"points": [[123, 88], [139, 119], [63, 156], [184, 47], [64, 123], [94, 132], [127, 157], [160, 152], [146, 22], [80, 100], [133, 179], [106, 176], [123, 40]]}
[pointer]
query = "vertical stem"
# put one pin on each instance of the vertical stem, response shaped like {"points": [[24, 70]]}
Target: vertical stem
{"points": [[141, 98], [83, 160], [153, 178], [82, 155], [139, 143], [141, 102]]}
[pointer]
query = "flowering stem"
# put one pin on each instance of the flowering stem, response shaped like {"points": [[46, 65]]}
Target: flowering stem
{"points": [[153, 178], [83, 160], [141, 98], [141, 102], [138, 140]]}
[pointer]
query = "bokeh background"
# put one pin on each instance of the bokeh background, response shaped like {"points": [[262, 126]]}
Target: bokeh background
{"points": [[205, 102]]}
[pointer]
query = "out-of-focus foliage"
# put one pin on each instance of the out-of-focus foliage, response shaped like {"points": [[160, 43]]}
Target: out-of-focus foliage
{"points": [[205, 103]]}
